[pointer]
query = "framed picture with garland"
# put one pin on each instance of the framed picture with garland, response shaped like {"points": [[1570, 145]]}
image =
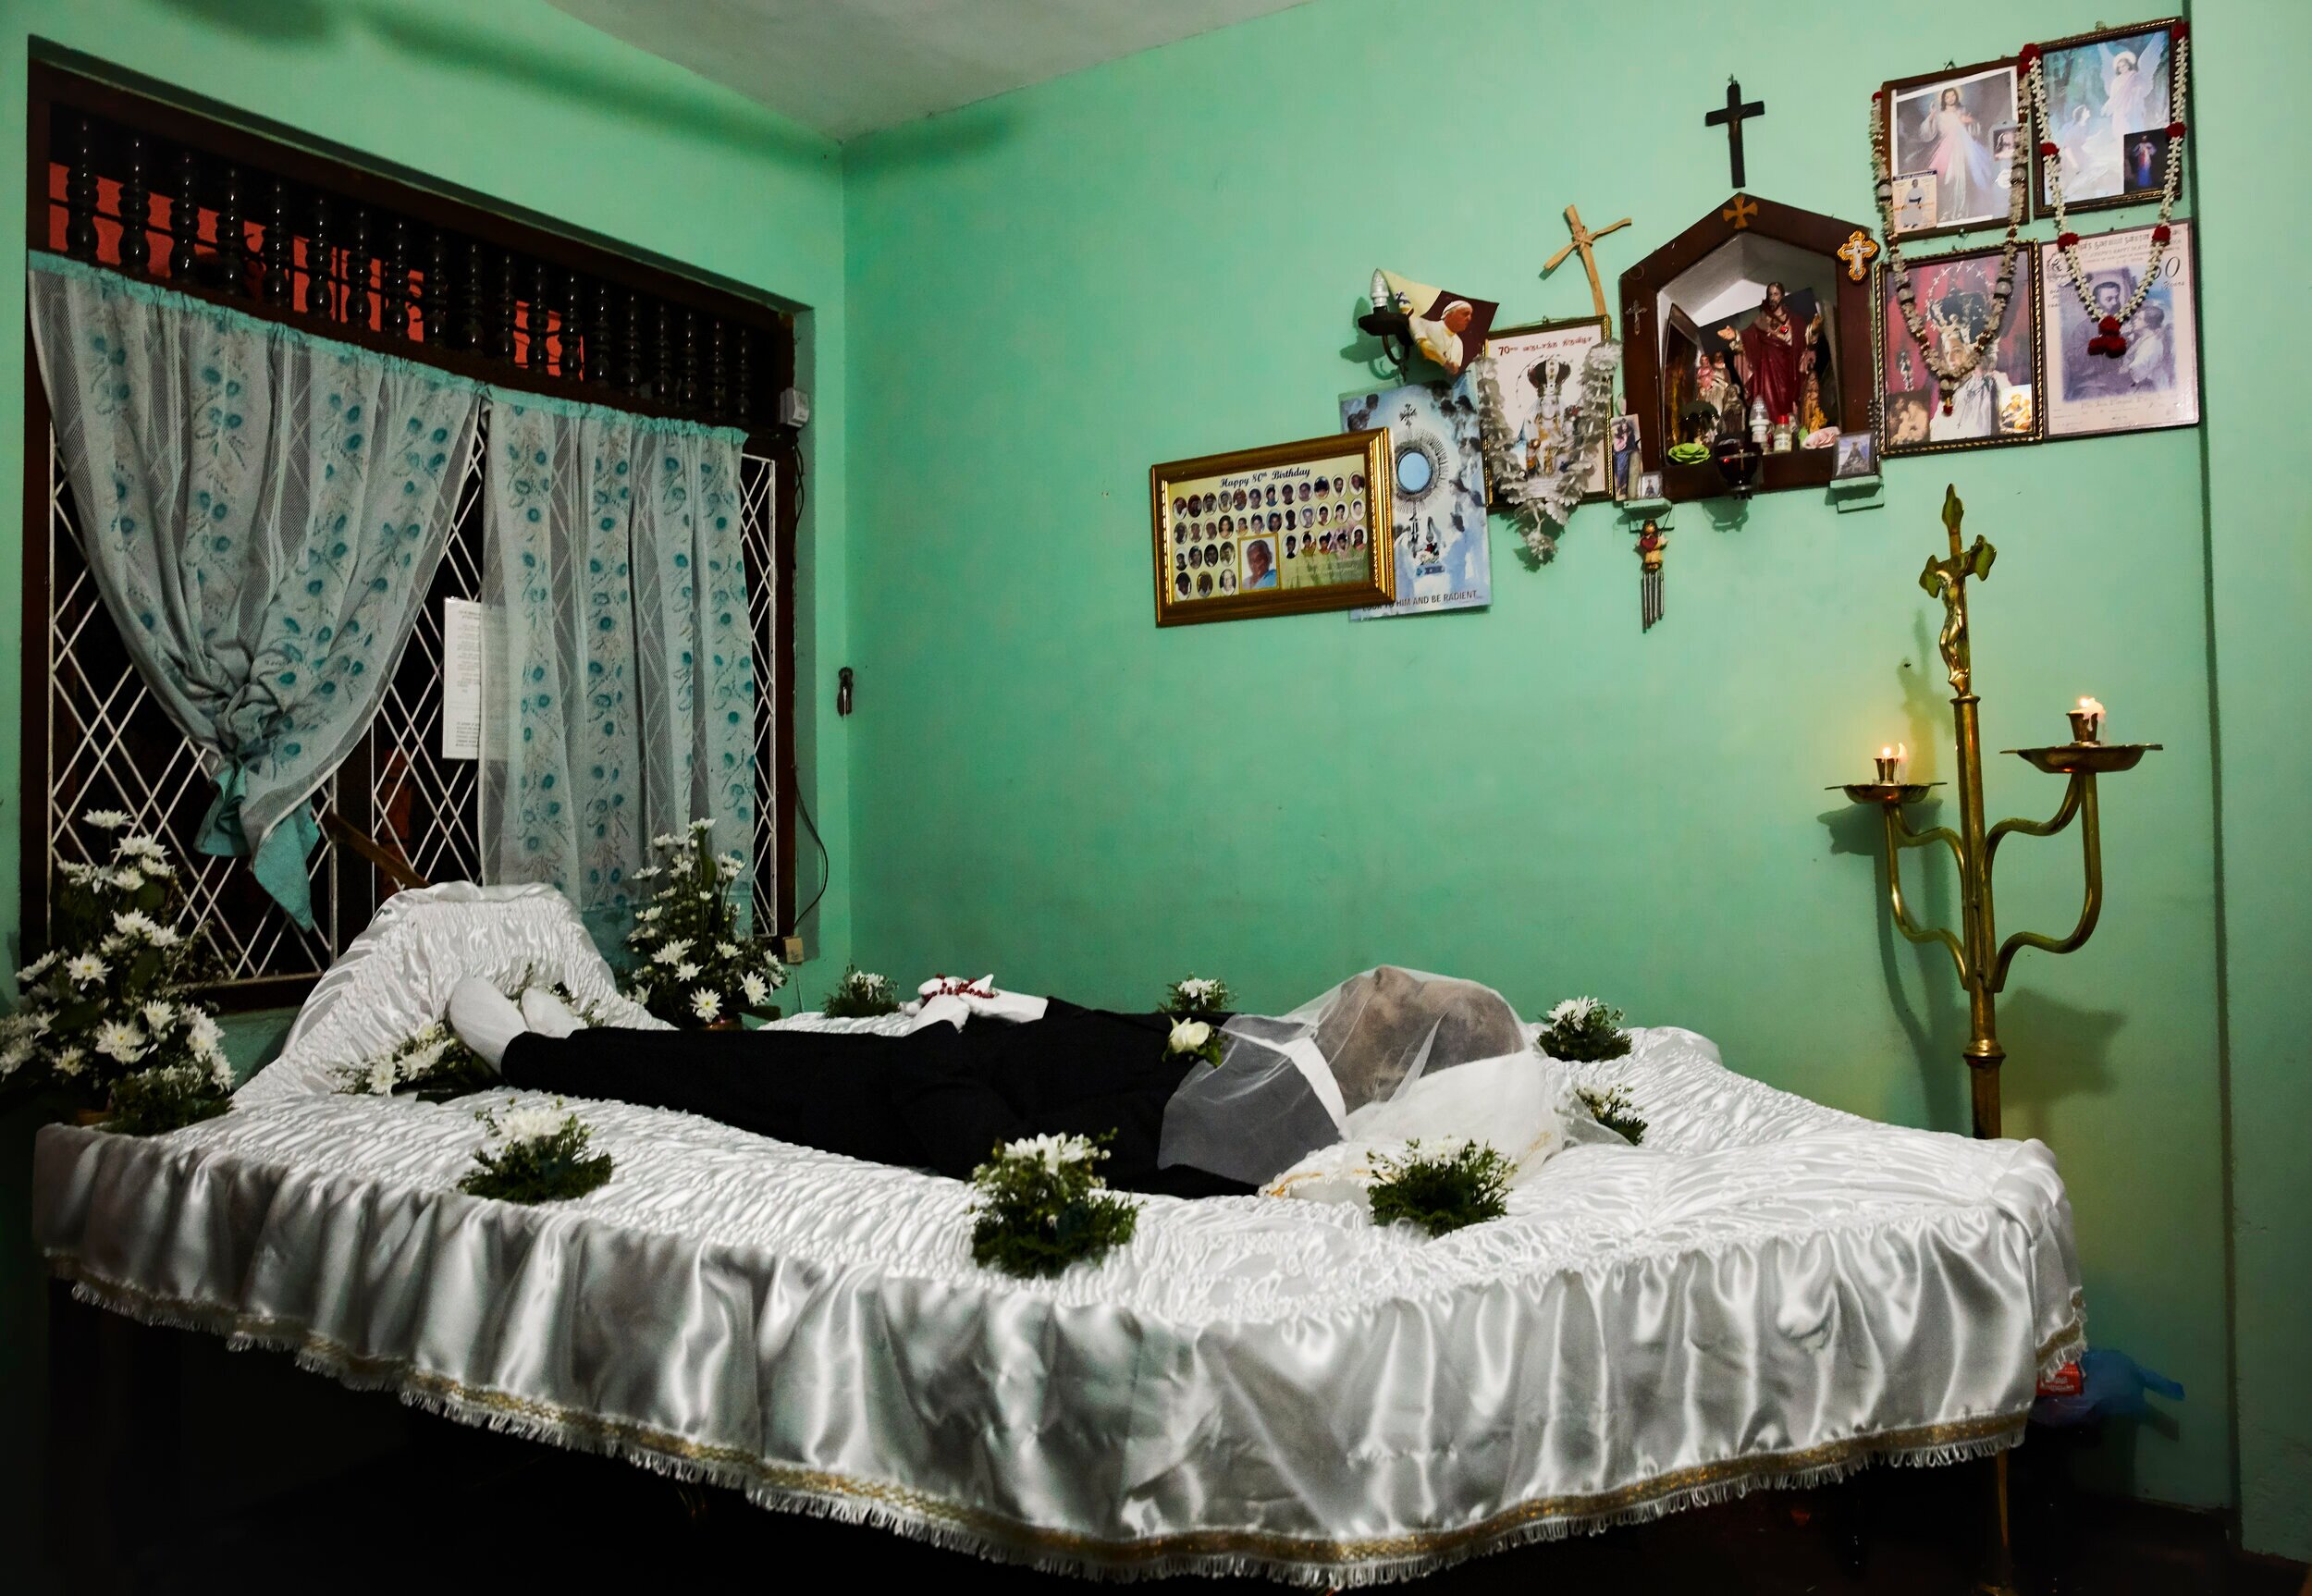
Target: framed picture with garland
{"points": [[2110, 99], [1998, 403], [1958, 133], [2152, 380]]}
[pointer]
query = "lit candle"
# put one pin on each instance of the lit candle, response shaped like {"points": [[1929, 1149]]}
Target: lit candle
{"points": [[1890, 760], [2088, 720]]}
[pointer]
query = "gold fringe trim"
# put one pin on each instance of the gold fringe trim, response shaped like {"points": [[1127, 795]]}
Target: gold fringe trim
{"points": [[1295, 1559]]}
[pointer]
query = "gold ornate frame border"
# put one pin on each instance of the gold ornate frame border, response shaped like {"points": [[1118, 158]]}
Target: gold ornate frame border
{"points": [[1373, 445]]}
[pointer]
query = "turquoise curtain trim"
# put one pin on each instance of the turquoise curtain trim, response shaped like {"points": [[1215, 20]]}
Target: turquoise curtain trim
{"points": [[158, 294], [282, 862]]}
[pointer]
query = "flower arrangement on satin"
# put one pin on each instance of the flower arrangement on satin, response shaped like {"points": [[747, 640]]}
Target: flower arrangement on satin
{"points": [[1441, 1191], [1198, 995], [107, 1001], [1194, 1038], [1040, 1206], [433, 1066], [861, 995], [1583, 1030], [535, 1152], [154, 1101], [692, 967], [1614, 1110]]}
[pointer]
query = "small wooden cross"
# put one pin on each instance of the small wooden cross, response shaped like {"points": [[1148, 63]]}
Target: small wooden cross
{"points": [[1857, 252], [1732, 119], [1741, 211], [1582, 239]]}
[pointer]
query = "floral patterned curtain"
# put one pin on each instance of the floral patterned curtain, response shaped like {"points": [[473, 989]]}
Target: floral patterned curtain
{"points": [[263, 513], [620, 704]]}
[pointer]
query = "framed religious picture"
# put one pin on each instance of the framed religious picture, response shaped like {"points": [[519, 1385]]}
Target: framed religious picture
{"points": [[1857, 456], [2108, 104], [1539, 368], [1959, 126], [1280, 530], [1433, 518], [1998, 401], [2152, 380]]}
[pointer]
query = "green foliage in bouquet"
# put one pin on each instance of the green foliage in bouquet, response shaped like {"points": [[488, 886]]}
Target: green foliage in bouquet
{"points": [[535, 1154], [1614, 1110], [1039, 1207], [1442, 1192], [1583, 1031], [107, 1000], [1198, 995], [153, 1102], [692, 967], [861, 995]]}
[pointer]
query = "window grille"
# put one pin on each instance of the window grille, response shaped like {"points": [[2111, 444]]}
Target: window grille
{"points": [[279, 232]]}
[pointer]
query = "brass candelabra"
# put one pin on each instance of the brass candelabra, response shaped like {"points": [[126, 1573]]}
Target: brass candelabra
{"points": [[1982, 959]]}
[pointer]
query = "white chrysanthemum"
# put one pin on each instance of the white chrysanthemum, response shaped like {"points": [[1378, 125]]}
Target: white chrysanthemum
{"points": [[71, 1062], [137, 845], [707, 1005], [758, 991], [129, 880], [1195, 988], [673, 953], [382, 1074], [106, 819], [729, 868], [202, 1027], [664, 840], [531, 1122], [159, 1015], [728, 950], [776, 974], [86, 967], [1053, 1152], [686, 971], [699, 828], [36, 969], [648, 873], [1573, 1011], [135, 923], [121, 1041], [164, 937], [220, 1072], [14, 1057]]}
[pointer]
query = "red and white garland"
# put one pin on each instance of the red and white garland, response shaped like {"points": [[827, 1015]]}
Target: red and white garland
{"points": [[1948, 377], [2108, 340]]}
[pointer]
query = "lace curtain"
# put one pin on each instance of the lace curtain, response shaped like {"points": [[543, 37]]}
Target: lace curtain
{"points": [[261, 512], [620, 696]]}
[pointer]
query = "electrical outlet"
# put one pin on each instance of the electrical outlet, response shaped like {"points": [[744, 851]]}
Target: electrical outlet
{"points": [[789, 950]]}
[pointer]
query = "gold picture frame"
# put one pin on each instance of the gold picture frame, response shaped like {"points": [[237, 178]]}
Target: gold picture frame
{"points": [[1252, 532]]}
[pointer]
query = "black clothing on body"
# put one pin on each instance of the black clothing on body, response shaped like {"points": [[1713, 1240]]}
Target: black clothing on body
{"points": [[939, 1099]]}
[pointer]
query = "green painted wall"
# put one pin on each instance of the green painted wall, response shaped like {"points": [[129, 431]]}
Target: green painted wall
{"points": [[2260, 561], [514, 101], [1162, 257]]}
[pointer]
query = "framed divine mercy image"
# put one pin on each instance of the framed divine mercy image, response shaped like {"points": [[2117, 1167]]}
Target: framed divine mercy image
{"points": [[1280, 530]]}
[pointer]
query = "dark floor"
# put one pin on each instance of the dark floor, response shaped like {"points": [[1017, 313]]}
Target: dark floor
{"points": [[437, 1508]]}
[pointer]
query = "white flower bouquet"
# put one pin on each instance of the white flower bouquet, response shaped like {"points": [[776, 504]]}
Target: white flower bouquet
{"points": [[1197, 995], [1583, 1030], [535, 1152], [1193, 1039], [1041, 1206], [108, 1003], [861, 995], [691, 968]]}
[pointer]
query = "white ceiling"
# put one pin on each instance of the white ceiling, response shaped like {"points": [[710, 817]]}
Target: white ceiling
{"points": [[849, 66]]}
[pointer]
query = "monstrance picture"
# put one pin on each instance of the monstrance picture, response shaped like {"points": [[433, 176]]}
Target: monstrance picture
{"points": [[1273, 531], [1959, 128], [1539, 369], [2154, 381], [2107, 109], [1998, 401], [1436, 495]]}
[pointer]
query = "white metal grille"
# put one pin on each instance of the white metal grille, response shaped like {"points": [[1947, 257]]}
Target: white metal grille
{"points": [[111, 746]]}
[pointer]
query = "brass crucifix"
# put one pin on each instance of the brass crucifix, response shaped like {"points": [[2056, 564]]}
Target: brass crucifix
{"points": [[1582, 239]]}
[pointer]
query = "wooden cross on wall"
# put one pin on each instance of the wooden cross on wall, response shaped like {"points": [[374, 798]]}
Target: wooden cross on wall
{"points": [[1582, 239], [1731, 117]]}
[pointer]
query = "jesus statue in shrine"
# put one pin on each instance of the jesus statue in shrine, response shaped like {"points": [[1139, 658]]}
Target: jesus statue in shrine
{"points": [[1773, 355]]}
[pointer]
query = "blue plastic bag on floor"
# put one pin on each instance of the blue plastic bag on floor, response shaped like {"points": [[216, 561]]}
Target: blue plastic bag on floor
{"points": [[2111, 1384]]}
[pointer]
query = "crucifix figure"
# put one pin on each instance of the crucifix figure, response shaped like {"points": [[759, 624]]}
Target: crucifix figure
{"points": [[1732, 117], [1582, 239]]}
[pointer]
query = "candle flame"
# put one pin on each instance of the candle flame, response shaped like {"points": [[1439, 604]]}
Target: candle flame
{"points": [[2090, 706]]}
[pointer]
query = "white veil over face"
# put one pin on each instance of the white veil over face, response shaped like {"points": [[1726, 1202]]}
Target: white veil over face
{"points": [[1286, 1087]]}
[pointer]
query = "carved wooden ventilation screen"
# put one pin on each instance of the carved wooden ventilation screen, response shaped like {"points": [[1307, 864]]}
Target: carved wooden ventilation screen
{"points": [[279, 233]]}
